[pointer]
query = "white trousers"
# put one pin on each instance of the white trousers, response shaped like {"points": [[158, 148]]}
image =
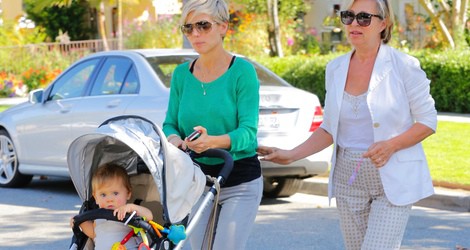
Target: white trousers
{"points": [[368, 220]]}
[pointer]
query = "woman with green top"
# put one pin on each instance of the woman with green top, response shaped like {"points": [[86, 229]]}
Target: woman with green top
{"points": [[218, 95]]}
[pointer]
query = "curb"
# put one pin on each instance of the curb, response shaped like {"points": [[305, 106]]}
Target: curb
{"points": [[12, 100], [444, 199]]}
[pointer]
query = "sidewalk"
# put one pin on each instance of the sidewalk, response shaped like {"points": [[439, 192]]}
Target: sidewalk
{"points": [[12, 100], [445, 199], [453, 117]]}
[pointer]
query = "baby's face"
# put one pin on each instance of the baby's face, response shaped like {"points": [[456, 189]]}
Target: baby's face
{"points": [[112, 195]]}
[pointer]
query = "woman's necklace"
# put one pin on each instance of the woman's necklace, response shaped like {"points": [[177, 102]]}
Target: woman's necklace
{"points": [[203, 79], [207, 76], [203, 89]]}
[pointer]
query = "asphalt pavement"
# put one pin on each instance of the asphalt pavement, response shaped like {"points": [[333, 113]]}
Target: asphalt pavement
{"points": [[444, 198]]}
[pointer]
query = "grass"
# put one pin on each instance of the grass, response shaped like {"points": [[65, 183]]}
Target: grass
{"points": [[448, 153], [3, 107]]}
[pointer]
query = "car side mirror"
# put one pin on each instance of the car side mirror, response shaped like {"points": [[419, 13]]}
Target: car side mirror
{"points": [[36, 96]]}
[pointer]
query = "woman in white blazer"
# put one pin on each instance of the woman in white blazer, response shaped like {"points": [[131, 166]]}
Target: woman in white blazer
{"points": [[378, 109]]}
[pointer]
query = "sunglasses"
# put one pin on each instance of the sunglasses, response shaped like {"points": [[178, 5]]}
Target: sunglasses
{"points": [[201, 27], [363, 18]]}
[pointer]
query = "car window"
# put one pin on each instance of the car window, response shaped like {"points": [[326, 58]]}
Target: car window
{"points": [[111, 76], [73, 82], [131, 83], [164, 65], [267, 77]]}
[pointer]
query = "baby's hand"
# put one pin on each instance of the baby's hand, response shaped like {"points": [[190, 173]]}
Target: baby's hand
{"points": [[120, 212]]}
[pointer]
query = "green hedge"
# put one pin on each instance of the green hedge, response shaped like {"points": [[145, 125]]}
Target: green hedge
{"points": [[449, 72]]}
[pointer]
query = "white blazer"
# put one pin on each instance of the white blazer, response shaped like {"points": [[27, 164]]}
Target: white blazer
{"points": [[398, 97]]}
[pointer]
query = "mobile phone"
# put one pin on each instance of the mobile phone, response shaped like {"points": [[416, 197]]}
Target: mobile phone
{"points": [[194, 135]]}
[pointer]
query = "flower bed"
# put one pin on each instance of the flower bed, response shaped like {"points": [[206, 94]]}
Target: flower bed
{"points": [[14, 86], [11, 86]]}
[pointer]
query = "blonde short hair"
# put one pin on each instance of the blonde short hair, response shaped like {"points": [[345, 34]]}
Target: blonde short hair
{"points": [[384, 9], [217, 9]]}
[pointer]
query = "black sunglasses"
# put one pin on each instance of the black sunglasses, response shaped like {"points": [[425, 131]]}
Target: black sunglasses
{"points": [[363, 18], [201, 27]]}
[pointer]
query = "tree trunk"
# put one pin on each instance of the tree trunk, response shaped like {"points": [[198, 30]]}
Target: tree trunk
{"points": [[120, 42], [463, 11], [277, 29], [101, 26], [274, 30]]}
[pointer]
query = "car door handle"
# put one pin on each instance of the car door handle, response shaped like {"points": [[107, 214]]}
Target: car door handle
{"points": [[64, 108], [113, 103]]}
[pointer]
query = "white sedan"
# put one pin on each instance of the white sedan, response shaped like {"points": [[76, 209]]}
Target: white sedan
{"points": [[35, 135]]}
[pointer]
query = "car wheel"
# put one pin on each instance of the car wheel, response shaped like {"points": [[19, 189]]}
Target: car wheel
{"points": [[9, 174], [275, 187]]}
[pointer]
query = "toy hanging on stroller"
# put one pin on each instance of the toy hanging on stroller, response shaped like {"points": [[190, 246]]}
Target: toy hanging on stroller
{"points": [[164, 179]]}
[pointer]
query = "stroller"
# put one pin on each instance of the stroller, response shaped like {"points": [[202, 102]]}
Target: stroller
{"points": [[163, 178]]}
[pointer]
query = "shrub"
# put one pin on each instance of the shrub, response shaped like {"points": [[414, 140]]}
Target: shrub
{"points": [[449, 72], [247, 34], [305, 72], [39, 78], [163, 33]]}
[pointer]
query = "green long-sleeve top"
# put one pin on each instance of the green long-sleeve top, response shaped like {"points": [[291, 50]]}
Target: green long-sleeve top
{"points": [[230, 106]]}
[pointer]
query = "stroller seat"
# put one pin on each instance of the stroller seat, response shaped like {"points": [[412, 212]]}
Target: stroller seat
{"points": [[145, 193]]}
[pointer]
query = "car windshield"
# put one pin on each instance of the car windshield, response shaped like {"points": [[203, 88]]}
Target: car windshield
{"points": [[164, 66]]}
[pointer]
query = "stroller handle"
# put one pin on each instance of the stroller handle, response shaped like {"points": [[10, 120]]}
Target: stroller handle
{"points": [[107, 214], [222, 154]]}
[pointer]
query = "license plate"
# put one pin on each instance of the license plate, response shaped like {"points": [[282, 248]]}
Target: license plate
{"points": [[277, 119], [269, 121]]}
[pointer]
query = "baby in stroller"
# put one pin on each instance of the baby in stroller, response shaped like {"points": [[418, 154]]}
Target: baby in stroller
{"points": [[112, 189], [164, 179]]}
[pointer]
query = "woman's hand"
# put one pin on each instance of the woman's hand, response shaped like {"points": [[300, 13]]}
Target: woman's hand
{"points": [[379, 153], [201, 144], [176, 141], [274, 154]]}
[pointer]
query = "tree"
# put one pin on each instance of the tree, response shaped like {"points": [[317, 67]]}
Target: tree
{"points": [[99, 5], [449, 17], [57, 20], [276, 11]]}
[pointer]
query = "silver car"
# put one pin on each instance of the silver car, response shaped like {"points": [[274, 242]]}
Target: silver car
{"points": [[35, 135]]}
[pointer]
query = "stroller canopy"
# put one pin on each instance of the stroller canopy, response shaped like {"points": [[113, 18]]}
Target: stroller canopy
{"points": [[141, 147]]}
